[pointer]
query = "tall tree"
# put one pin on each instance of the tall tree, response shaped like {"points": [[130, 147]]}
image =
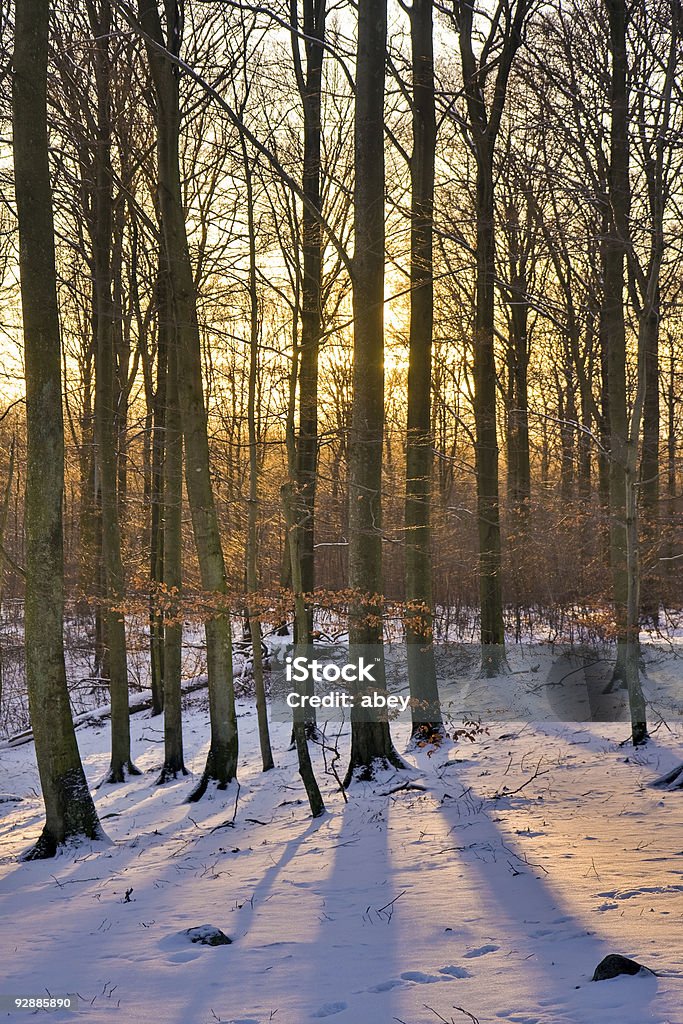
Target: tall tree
{"points": [[70, 811], [371, 744], [623, 441], [656, 124], [484, 113], [157, 400], [306, 771], [171, 539], [4, 511], [252, 547], [221, 764], [418, 554], [106, 429], [309, 83]]}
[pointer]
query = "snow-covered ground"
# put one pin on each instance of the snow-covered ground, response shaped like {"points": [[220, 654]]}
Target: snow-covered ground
{"points": [[450, 902]]}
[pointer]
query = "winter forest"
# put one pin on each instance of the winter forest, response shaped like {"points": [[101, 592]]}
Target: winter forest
{"points": [[346, 335]]}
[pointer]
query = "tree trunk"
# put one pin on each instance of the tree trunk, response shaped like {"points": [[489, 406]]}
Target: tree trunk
{"points": [[88, 511], [488, 508], [371, 745], [649, 462], [172, 635], [253, 509], [519, 465], [424, 692], [615, 248], [4, 512], [485, 125], [604, 426], [70, 811], [306, 772], [105, 410], [221, 764], [658, 171], [310, 86], [623, 444], [157, 528]]}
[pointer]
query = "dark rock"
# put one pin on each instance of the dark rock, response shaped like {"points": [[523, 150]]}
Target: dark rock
{"points": [[208, 935], [614, 965]]}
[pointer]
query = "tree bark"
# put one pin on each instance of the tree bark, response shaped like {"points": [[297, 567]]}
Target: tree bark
{"points": [[485, 125], [310, 90], [221, 764], [70, 811], [659, 175], [172, 526], [615, 250], [253, 508], [519, 463], [306, 772], [371, 745], [649, 462], [424, 692], [157, 529], [623, 443], [4, 512], [106, 432]]}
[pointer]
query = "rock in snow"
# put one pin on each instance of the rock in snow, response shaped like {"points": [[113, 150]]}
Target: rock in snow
{"points": [[614, 965], [208, 935]]}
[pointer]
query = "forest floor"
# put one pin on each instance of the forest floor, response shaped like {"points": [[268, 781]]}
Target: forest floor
{"points": [[491, 894]]}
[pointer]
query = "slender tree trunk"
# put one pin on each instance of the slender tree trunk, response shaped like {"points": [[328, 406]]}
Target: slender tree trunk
{"points": [[371, 745], [306, 772], [671, 460], [488, 507], [604, 425], [253, 510], [656, 146], [567, 407], [309, 83], [221, 765], [105, 409], [172, 636], [88, 504], [310, 86], [585, 440], [649, 462], [157, 528], [99, 587], [70, 811], [289, 505], [623, 445], [615, 247], [4, 512], [485, 125], [519, 464], [424, 692]]}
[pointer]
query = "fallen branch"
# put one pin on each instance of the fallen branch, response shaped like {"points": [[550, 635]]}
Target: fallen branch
{"points": [[499, 794], [405, 786]]}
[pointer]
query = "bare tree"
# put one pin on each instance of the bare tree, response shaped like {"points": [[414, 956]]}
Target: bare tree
{"points": [[371, 744], [419, 626], [489, 70], [69, 808], [106, 431], [171, 537], [221, 765]]}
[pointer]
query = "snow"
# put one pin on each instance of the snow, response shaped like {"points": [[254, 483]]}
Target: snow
{"points": [[474, 896]]}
